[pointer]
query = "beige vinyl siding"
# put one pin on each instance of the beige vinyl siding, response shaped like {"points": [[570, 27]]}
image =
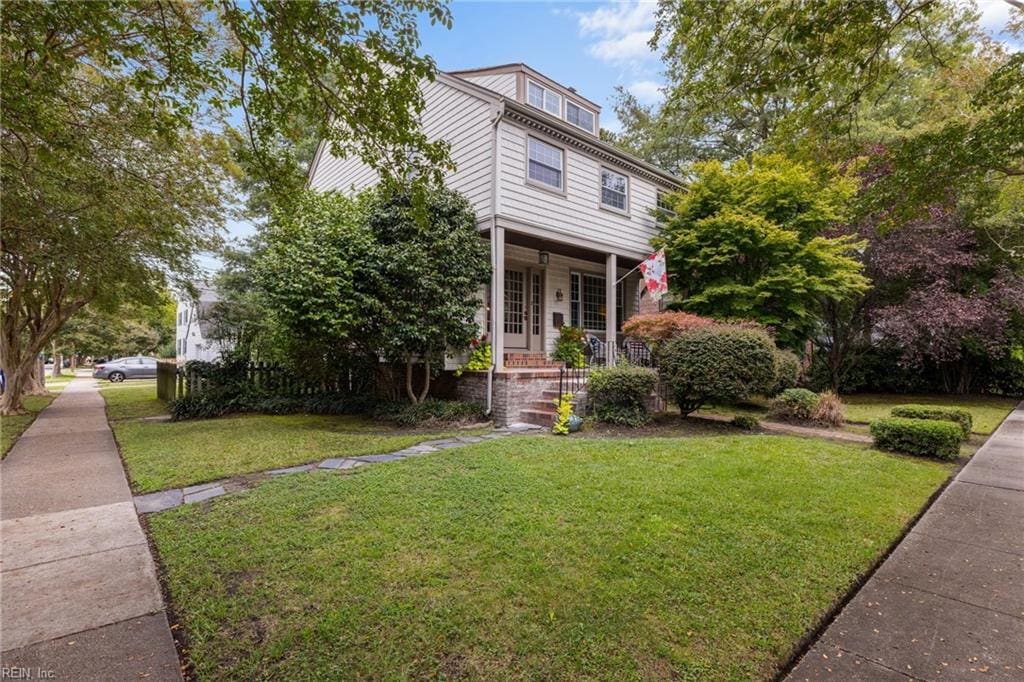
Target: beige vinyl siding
{"points": [[451, 115], [502, 83], [578, 212]]}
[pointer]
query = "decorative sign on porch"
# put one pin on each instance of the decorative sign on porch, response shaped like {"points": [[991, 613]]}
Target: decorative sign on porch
{"points": [[655, 275]]}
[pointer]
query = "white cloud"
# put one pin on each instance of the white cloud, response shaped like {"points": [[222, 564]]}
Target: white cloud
{"points": [[994, 16], [647, 92], [620, 31]]}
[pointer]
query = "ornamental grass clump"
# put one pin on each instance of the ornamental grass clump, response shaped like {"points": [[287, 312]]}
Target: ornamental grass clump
{"points": [[829, 411], [925, 437], [957, 415]]}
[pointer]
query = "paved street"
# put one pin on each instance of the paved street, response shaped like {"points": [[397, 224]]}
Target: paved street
{"points": [[78, 587], [948, 604]]}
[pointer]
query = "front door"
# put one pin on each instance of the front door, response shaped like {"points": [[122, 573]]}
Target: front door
{"points": [[515, 308]]}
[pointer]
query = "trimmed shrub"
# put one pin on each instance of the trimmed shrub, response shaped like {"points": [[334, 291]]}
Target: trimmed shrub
{"points": [[787, 371], [655, 328], [829, 411], [719, 363], [430, 411], [619, 394], [795, 405], [951, 414], [747, 422], [925, 437]]}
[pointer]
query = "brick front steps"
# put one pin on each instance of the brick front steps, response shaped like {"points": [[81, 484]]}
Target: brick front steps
{"points": [[531, 360]]}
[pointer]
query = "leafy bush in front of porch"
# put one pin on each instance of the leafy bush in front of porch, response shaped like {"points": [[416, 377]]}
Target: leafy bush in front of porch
{"points": [[430, 412], [722, 363], [569, 347], [619, 394]]}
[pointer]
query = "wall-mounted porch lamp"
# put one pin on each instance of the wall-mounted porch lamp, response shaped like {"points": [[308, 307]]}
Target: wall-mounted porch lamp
{"points": [[543, 257]]}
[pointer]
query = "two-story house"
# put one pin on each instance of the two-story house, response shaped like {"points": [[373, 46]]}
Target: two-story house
{"points": [[568, 216]]}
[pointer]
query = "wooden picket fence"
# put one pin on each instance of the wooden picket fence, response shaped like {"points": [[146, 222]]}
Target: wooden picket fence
{"points": [[173, 382]]}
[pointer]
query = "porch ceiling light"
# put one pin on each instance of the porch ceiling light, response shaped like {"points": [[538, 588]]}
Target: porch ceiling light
{"points": [[542, 257]]}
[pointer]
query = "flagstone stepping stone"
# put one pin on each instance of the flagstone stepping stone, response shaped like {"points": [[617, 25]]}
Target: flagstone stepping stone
{"points": [[470, 439], [292, 470], [215, 491], [341, 463], [154, 502], [389, 457]]}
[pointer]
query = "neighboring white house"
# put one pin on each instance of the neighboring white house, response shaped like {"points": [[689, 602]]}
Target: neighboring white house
{"points": [[192, 328], [565, 213]]}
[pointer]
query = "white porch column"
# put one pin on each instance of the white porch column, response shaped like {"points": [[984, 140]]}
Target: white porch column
{"points": [[498, 296], [611, 273]]}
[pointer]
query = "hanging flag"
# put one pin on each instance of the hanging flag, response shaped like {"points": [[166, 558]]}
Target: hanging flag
{"points": [[655, 275]]}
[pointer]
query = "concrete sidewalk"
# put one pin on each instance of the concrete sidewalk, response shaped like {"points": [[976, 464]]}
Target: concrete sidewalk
{"points": [[79, 594], [948, 604]]}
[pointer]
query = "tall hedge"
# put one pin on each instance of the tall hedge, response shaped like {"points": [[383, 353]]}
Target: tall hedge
{"points": [[718, 363]]}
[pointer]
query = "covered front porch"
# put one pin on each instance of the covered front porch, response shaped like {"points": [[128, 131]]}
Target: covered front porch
{"points": [[540, 284]]}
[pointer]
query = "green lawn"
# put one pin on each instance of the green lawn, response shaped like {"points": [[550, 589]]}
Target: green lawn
{"points": [[161, 455], [13, 426], [537, 558], [987, 411], [132, 400]]}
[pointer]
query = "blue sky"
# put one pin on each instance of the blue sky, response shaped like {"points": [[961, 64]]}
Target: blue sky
{"points": [[592, 46]]}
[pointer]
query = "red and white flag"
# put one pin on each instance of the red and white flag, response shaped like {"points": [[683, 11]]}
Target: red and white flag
{"points": [[655, 275]]}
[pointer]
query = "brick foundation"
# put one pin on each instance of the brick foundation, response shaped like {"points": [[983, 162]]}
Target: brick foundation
{"points": [[514, 392]]}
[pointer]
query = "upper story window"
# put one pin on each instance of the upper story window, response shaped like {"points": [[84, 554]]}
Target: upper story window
{"points": [[545, 163], [543, 98], [614, 190], [665, 210], [579, 117]]}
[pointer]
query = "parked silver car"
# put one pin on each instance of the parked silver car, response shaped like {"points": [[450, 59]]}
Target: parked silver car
{"points": [[137, 367]]}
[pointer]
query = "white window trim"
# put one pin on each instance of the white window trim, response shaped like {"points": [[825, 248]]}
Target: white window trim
{"points": [[546, 89], [565, 162], [600, 191], [581, 274], [576, 104]]}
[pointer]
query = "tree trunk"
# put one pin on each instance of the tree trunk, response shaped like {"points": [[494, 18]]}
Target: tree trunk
{"points": [[74, 362], [426, 381], [58, 361], [408, 380], [36, 384]]}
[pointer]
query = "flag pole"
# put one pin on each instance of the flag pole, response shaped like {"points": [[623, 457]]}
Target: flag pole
{"points": [[627, 274]]}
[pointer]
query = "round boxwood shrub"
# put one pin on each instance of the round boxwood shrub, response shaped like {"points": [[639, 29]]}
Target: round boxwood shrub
{"points": [[795, 405], [619, 394], [787, 371], [951, 414], [718, 363], [925, 437]]}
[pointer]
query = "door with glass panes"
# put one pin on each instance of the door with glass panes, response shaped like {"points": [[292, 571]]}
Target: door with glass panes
{"points": [[523, 308]]}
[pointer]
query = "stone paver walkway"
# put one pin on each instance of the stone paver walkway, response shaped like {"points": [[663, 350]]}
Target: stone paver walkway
{"points": [[79, 596], [175, 497], [948, 604]]}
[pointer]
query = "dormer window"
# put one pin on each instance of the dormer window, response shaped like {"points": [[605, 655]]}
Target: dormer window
{"points": [[544, 98], [579, 117]]}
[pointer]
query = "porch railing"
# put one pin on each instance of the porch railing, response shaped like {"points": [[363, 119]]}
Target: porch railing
{"points": [[631, 351]]}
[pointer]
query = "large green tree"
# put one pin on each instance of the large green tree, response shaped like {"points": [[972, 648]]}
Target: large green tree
{"points": [[747, 241], [113, 170], [381, 276]]}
